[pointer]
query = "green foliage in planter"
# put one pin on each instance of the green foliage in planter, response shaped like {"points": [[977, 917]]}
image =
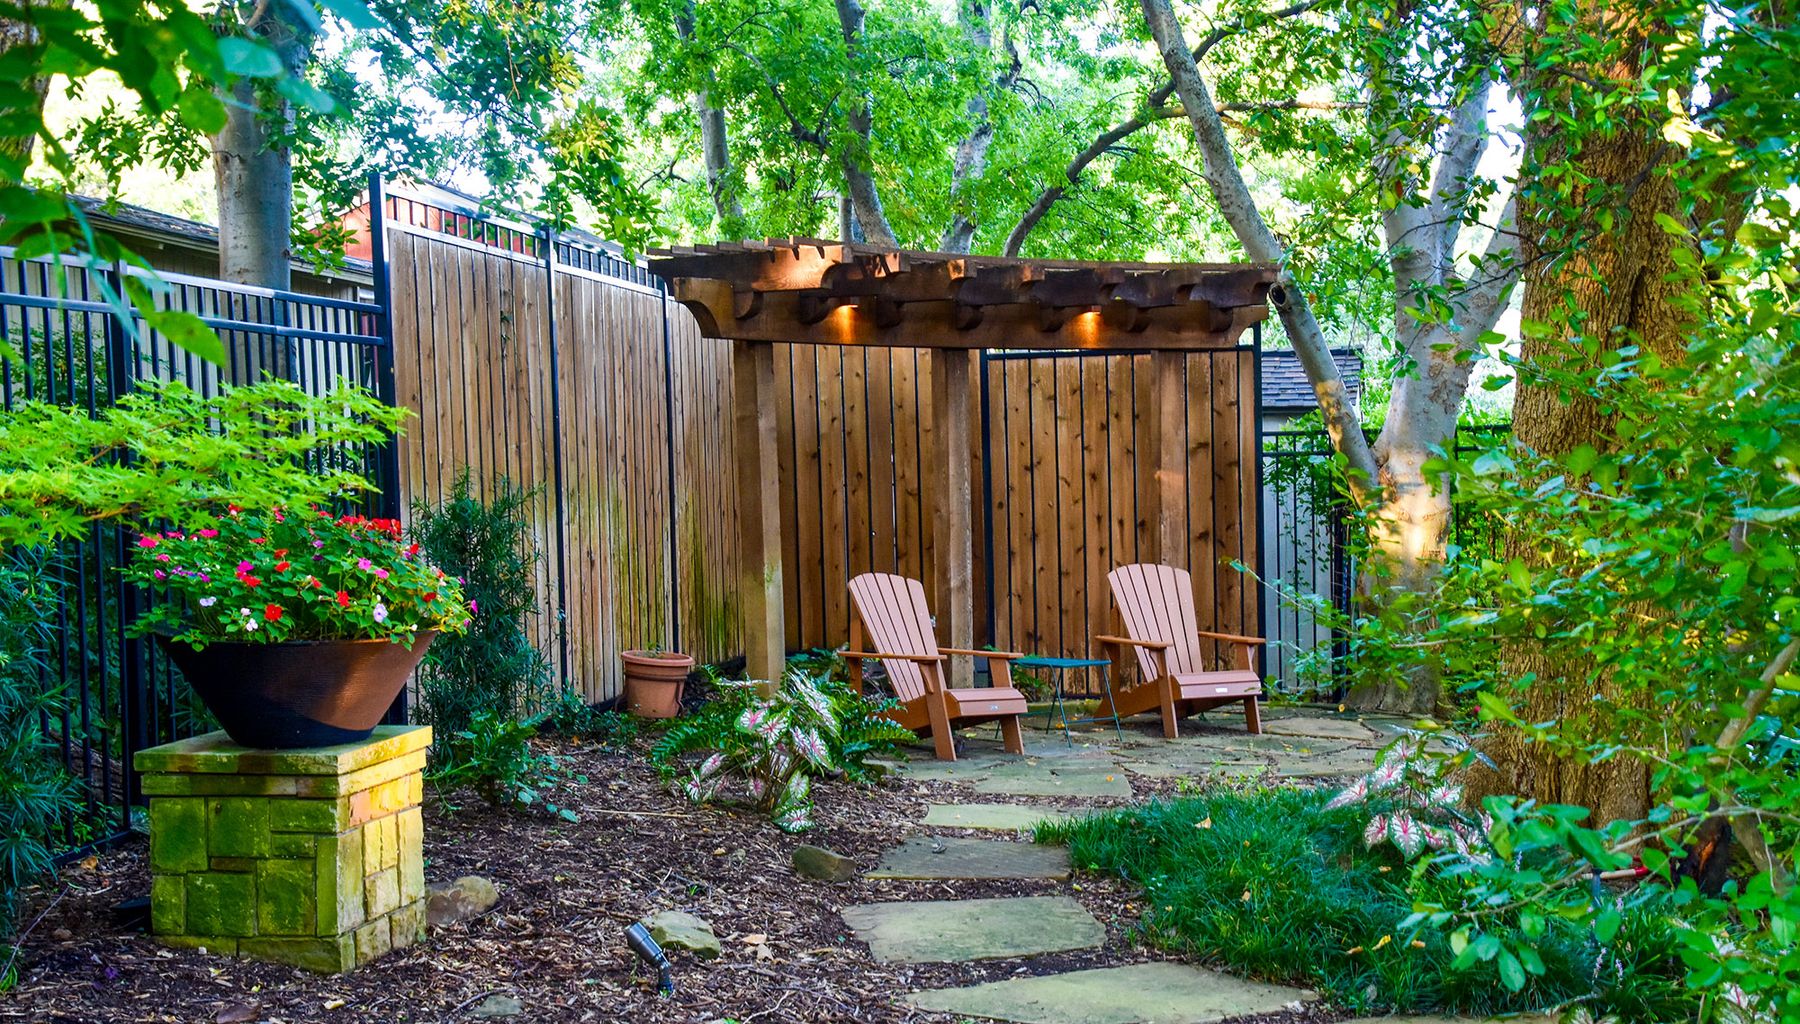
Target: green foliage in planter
{"points": [[35, 793], [768, 749], [493, 667], [165, 450], [1276, 884]]}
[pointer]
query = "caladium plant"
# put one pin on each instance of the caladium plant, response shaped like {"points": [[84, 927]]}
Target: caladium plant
{"points": [[1417, 808]]}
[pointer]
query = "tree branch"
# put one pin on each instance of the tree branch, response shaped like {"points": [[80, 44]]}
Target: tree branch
{"points": [[1239, 210], [865, 199], [1466, 140]]}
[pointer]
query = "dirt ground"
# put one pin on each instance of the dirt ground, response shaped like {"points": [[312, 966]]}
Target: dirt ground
{"points": [[554, 941]]}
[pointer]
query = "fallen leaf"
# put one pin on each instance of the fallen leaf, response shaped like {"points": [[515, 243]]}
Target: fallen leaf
{"points": [[764, 953], [237, 1013], [1206, 823], [755, 939], [89, 863], [335, 1004]]}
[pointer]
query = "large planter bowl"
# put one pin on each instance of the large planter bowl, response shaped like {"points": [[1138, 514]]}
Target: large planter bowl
{"points": [[654, 681], [303, 693]]}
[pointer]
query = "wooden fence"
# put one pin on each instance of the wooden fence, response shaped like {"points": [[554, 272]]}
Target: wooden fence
{"points": [[601, 396], [1062, 453]]}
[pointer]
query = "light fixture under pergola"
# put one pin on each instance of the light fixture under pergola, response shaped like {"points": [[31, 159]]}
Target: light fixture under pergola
{"points": [[810, 291]]}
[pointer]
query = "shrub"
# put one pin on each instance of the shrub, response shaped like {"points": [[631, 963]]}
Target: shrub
{"points": [[768, 749], [35, 793], [493, 667], [569, 714], [1275, 884], [269, 577], [495, 758]]}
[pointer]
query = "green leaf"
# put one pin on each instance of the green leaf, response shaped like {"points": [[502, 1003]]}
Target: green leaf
{"points": [[355, 14], [1606, 924], [249, 59], [1512, 974], [201, 110]]}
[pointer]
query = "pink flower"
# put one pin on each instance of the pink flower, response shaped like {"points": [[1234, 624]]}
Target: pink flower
{"points": [[163, 557], [209, 533], [245, 567], [381, 574], [318, 543], [474, 607], [146, 541], [363, 563], [159, 574]]}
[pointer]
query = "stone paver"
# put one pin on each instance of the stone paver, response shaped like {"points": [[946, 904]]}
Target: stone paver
{"points": [[1157, 993], [930, 857], [953, 931], [998, 817], [1321, 728], [1062, 779]]}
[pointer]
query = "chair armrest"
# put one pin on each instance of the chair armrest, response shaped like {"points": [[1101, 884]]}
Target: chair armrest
{"points": [[1231, 637], [1155, 645], [1002, 655], [860, 655]]}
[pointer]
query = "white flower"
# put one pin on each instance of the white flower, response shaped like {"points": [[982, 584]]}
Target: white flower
{"points": [[380, 612], [208, 602], [250, 625]]}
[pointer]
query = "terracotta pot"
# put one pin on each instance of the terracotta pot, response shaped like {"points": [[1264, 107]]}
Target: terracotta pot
{"points": [[654, 681], [302, 693]]}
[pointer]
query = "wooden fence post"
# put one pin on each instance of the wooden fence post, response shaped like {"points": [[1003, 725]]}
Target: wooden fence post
{"points": [[1168, 383], [954, 602], [759, 510]]}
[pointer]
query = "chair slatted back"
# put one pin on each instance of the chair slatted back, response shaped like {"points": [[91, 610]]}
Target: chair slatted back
{"points": [[894, 614], [1156, 603]]}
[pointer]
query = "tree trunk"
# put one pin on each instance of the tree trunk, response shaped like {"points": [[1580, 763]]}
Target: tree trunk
{"points": [[715, 147], [255, 182], [971, 153], [854, 159], [1611, 287], [15, 33]]}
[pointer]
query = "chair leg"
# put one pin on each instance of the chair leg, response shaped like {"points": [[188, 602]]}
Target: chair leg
{"points": [[1166, 686], [1252, 716], [937, 706], [1011, 733]]}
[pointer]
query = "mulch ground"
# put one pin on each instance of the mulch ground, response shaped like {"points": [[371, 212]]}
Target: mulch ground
{"points": [[555, 941]]}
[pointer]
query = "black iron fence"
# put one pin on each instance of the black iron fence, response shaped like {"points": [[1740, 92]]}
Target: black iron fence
{"points": [[1311, 560], [69, 345]]}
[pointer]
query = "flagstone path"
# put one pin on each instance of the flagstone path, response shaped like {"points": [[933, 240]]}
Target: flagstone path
{"points": [[1086, 773]]}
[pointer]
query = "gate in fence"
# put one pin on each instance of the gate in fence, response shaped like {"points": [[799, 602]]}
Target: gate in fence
{"points": [[1311, 561]]}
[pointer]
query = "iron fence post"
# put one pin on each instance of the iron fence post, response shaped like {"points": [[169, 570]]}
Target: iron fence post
{"points": [[662, 291], [387, 453], [134, 710], [556, 455], [987, 502]]}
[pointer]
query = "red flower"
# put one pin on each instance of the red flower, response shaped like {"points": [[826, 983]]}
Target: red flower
{"points": [[343, 599], [272, 612], [413, 549], [281, 566], [259, 540], [281, 552], [250, 581], [147, 541]]}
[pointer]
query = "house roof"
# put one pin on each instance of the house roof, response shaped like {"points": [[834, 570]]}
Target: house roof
{"points": [[199, 236], [1285, 388]]}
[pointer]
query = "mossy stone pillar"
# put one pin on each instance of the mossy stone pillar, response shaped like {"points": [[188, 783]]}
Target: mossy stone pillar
{"points": [[311, 857]]}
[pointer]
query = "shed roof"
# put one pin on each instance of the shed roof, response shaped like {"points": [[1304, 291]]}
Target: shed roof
{"points": [[1285, 388]]}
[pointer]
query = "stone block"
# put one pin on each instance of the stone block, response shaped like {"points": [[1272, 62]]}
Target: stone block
{"points": [[407, 924], [373, 940], [339, 862], [214, 753], [285, 891], [177, 835], [381, 891], [237, 826], [363, 778], [168, 904], [291, 845], [239, 864], [220, 785], [411, 829], [221, 904], [332, 954], [305, 816]]}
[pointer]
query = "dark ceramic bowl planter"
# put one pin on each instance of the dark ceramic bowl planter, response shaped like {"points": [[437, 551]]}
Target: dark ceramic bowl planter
{"points": [[654, 681], [300, 693]]}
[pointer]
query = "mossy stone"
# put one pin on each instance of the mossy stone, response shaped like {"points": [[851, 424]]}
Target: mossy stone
{"points": [[285, 897], [177, 835], [222, 904], [239, 826]]}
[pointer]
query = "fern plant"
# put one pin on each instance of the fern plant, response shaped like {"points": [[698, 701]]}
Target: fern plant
{"points": [[766, 750]]}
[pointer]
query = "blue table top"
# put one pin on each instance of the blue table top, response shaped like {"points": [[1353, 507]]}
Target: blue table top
{"points": [[1040, 661]]}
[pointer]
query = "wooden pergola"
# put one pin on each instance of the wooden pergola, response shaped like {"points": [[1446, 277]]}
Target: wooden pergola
{"points": [[808, 291]]}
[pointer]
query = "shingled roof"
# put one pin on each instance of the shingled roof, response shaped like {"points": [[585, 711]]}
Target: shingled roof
{"points": [[1285, 388]]}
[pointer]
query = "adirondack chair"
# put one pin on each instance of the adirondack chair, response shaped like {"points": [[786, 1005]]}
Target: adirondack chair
{"points": [[891, 612], [1155, 605]]}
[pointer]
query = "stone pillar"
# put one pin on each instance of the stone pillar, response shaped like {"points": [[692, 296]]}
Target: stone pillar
{"points": [[312, 857]]}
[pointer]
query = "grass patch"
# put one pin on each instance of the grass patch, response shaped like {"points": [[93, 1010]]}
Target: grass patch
{"points": [[1270, 884]]}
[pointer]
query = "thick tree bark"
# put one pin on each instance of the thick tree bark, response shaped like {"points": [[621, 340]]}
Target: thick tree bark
{"points": [[252, 168], [19, 148], [715, 146], [854, 158], [1612, 287]]}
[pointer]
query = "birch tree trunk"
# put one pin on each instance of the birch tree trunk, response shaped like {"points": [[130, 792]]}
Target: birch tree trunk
{"points": [[853, 157], [715, 145], [252, 166]]}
